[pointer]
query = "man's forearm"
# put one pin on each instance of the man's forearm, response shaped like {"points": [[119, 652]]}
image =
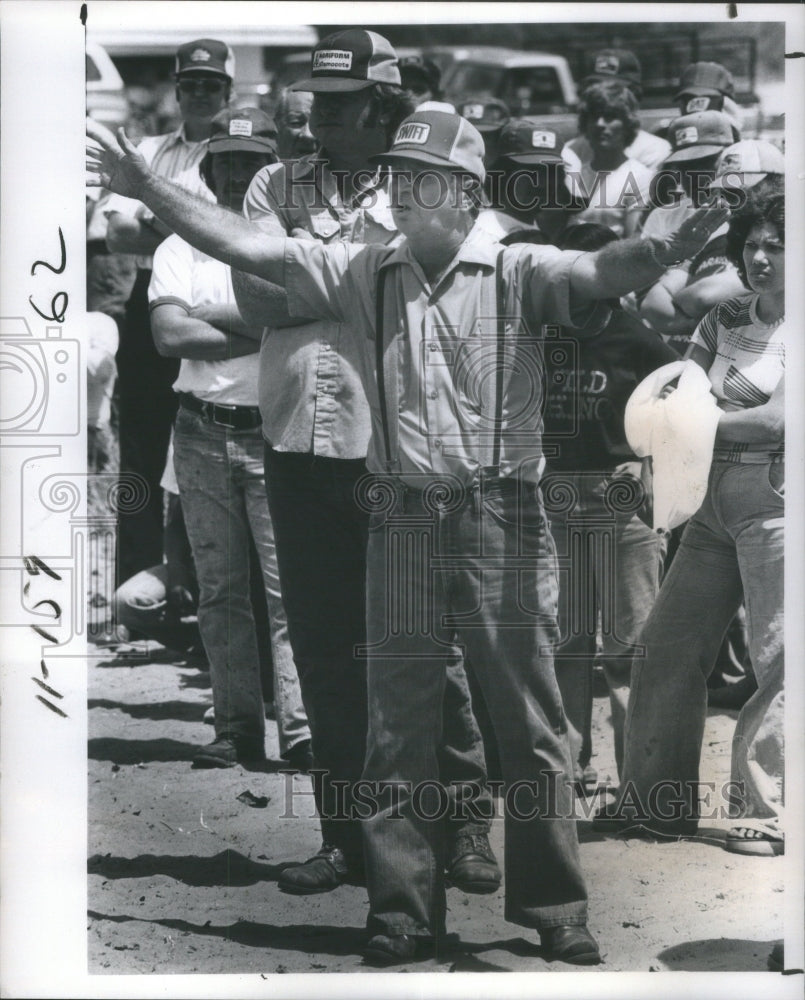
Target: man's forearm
{"points": [[616, 269], [214, 230], [262, 303]]}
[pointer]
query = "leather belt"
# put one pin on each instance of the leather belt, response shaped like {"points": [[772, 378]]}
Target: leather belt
{"points": [[235, 418]]}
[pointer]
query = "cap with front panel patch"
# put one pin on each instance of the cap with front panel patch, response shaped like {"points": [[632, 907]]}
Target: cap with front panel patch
{"points": [[524, 141], [702, 79], [205, 55], [746, 163], [247, 130], [350, 60], [439, 139], [618, 64], [485, 113], [704, 133]]}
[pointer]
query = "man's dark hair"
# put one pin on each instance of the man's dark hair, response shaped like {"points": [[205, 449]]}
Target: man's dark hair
{"points": [[765, 202], [391, 105], [588, 236], [612, 97]]}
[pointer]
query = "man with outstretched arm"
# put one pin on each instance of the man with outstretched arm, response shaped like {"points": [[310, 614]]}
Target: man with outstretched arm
{"points": [[450, 322]]}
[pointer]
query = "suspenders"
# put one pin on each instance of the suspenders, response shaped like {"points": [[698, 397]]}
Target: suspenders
{"points": [[493, 469]]}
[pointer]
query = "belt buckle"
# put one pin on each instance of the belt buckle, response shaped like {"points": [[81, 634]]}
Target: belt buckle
{"points": [[228, 411]]}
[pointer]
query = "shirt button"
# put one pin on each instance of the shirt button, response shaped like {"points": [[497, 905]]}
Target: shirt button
{"points": [[434, 347], [437, 443], [433, 394]]}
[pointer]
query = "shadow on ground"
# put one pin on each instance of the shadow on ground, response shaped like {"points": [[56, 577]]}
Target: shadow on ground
{"points": [[718, 955], [227, 868], [182, 711], [323, 939]]}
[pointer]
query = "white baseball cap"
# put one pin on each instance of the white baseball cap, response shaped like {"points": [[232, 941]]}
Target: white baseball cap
{"points": [[746, 163]]}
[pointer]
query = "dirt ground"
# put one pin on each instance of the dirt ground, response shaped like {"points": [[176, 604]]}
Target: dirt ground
{"points": [[182, 870]]}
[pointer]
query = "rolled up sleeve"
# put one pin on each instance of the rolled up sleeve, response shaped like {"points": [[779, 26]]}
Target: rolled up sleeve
{"points": [[321, 281], [546, 274]]}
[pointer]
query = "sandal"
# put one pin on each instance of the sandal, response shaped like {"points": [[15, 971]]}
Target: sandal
{"points": [[747, 840]]}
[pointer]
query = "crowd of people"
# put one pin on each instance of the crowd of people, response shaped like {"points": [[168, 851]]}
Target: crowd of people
{"points": [[383, 351]]}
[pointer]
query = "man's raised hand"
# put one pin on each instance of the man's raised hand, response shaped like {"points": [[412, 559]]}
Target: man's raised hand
{"points": [[116, 165], [686, 241]]}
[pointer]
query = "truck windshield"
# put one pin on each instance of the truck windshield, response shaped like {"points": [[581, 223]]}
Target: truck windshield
{"points": [[525, 89]]}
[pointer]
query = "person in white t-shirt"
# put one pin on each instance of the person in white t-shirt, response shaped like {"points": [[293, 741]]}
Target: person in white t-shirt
{"points": [[614, 187], [218, 450], [624, 67]]}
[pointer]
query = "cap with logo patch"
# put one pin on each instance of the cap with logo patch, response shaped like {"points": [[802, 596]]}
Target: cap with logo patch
{"points": [[485, 113], [704, 133], [524, 141], [702, 79], [439, 139], [247, 130], [618, 64], [746, 163], [350, 60], [205, 55]]}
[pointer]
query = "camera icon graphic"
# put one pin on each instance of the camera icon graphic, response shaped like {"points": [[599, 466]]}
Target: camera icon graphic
{"points": [[41, 384]]}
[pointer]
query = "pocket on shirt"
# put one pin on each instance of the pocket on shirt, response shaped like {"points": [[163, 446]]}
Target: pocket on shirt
{"points": [[324, 227]]}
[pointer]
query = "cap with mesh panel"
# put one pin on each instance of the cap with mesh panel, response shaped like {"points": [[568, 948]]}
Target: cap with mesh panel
{"points": [[350, 60], [438, 139], [746, 163]]}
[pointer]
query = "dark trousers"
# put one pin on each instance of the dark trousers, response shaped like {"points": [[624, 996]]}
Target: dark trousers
{"points": [[146, 408], [321, 535]]}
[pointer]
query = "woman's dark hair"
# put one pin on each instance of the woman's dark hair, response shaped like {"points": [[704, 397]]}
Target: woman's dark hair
{"points": [[391, 105], [611, 97], [765, 202]]}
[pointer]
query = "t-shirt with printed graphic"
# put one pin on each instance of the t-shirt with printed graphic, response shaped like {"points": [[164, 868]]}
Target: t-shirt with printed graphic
{"points": [[747, 365], [587, 388]]}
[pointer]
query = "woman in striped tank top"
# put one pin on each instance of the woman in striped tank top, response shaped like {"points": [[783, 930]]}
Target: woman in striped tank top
{"points": [[732, 546]]}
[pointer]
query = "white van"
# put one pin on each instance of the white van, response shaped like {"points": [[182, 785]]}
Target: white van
{"points": [[106, 98], [142, 37]]}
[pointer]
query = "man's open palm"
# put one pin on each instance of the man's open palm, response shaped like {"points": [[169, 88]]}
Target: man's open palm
{"points": [[116, 165]]}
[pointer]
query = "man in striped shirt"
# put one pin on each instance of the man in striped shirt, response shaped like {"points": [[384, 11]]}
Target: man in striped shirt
{"points": [[204, 71]]}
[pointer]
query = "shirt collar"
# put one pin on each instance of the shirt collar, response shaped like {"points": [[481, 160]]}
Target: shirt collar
{"points": [[478, 248], [317, 162]]}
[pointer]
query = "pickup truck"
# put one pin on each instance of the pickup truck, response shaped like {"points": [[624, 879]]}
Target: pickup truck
{"points": [[532, 84]]}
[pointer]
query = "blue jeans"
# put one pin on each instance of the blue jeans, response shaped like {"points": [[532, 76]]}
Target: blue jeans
{"points": [[481, 570], [610, 565], [222, 486], [732, 546], [321, 532]]}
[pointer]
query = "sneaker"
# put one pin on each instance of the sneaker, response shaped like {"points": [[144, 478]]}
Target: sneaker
{"points": [[225, 751]]}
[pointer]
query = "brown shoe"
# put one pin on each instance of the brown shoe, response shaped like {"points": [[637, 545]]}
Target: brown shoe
{"points": [[325, 871], [471, 865], [571, 943]]}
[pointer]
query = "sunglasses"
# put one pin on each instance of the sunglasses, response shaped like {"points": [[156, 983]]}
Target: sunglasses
{"points": [[204, 86]]}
